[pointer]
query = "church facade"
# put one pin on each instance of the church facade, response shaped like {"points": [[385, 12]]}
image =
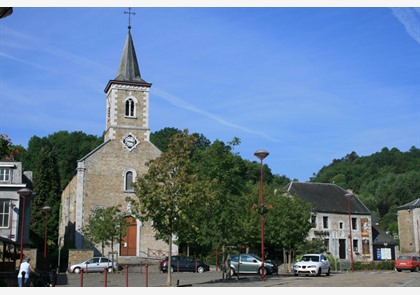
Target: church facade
{"points": [[104, 177]]}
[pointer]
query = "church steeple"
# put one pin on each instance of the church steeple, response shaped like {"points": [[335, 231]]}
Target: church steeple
{"points": [[129, 68], [127, 101]]}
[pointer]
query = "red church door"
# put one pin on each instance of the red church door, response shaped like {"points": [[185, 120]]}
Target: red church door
{"points": [[129, 242]]}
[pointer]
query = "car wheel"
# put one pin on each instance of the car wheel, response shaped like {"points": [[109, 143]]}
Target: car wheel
{"points": [[200, 269], [416, 269], [318, 274], [296, 274], [110, 270], [231, 272], [261, 270], [172, 269], [76, 270], [399, 270], [328, 272]]}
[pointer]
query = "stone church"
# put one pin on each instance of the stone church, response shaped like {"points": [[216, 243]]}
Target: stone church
{"points": [[104, 176]]}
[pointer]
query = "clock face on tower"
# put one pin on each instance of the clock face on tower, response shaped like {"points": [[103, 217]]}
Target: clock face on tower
{"points": [[130, 141]]}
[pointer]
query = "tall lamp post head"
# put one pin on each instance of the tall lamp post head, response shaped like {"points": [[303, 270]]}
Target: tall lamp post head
{"points": [[23, 193], [261, 154]]}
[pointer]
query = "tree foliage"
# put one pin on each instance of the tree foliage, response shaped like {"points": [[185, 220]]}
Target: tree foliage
{"points": [[170, 191], [105, 226]]}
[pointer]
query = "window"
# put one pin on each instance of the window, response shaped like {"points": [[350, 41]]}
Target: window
{"points": [[354, 223], [355, 246], [4, 213], [341, 225], [5, 174], [325, 221], [327, 244], [313, 220], [129, 107], [129, 181]]}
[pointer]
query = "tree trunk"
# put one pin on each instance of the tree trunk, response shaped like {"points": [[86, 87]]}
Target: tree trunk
{"points": [[169, 274]]}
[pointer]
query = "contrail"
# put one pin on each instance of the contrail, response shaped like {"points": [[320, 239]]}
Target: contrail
{"points": [[176, 101], [410, 18]]}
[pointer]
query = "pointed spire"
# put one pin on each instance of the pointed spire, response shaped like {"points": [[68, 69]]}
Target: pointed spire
{"points": [[129, 68]]}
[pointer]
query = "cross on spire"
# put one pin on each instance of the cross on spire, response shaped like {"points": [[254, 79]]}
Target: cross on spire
{"points": [[129, 16]]}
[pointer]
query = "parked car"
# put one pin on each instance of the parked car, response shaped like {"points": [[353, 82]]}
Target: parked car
{"points": [[249, 263], [312, 264], [407, 262], [181, 263], [94, 264]]}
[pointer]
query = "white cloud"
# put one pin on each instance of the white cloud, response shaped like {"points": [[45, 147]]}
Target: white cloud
{"points": [[410, 18]]}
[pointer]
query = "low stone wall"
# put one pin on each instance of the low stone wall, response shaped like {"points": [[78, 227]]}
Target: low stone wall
{"points": [[77, 256]]}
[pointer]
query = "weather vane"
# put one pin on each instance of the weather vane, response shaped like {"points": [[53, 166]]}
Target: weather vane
{"points": [[129, 16]]}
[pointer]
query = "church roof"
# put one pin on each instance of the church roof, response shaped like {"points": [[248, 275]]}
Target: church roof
{"points": [[128, 70], [327, 197]]}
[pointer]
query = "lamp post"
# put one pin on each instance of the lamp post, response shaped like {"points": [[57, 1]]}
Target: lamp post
{"points": [[348, 196], [262, 154], [46, 209], [23, 193]]}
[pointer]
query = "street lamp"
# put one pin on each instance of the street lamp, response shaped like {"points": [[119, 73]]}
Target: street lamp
{"points": [[23, 193], [46, 209], [348, 196], [262, 154]]}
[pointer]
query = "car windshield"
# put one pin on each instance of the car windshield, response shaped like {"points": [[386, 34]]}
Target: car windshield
{"points": [[404, 258], [310, 258]]}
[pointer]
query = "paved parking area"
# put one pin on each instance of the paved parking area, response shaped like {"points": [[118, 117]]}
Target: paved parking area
{"points": [[136, 277]]}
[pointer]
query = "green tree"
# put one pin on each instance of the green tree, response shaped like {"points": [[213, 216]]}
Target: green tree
{"points": [[46, 182], [105, 227], [169, 191], [221, 219]]}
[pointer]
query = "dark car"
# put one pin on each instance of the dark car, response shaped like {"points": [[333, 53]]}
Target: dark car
{"points": [[181, 263], [249, 263]]}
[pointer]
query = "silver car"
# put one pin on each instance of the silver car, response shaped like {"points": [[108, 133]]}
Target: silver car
{"points": [[312, 264], [249, 263], [94, 264]]}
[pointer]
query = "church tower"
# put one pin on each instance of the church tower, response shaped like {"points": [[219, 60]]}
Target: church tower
{"points": [[105, 176], [127, 101]]}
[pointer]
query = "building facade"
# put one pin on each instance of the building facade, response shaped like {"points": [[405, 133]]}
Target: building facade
{"points": [[340, 219], [409, 227], [14, 211], [104, 176]]}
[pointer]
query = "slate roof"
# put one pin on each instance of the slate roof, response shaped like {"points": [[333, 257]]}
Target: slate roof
{"points": [[380, 237], [327, 197], [128, 70], [411, 205]]}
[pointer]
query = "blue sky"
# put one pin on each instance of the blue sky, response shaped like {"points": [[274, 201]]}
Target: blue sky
{"points": [[308, 84]]}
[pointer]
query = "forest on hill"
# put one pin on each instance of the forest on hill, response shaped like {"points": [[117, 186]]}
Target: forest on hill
{"points": [[383, 181]]}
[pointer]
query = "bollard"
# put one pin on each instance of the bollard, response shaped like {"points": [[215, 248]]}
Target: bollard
{"points": [[86, 268], [105, 276], [196, 265], [147, 275], [54, 278], [81, 277], [177, 266], [126, 275]]}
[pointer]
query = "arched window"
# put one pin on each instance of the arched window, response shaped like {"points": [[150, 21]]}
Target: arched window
{"points": [[129, 107], [129, 181]]}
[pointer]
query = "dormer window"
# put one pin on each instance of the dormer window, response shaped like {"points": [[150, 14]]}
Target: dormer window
{"points": [[129, 108], [5, 174]]}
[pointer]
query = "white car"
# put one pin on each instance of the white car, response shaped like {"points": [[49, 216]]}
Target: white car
{"points": [[312, 264], [94, 264]]}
